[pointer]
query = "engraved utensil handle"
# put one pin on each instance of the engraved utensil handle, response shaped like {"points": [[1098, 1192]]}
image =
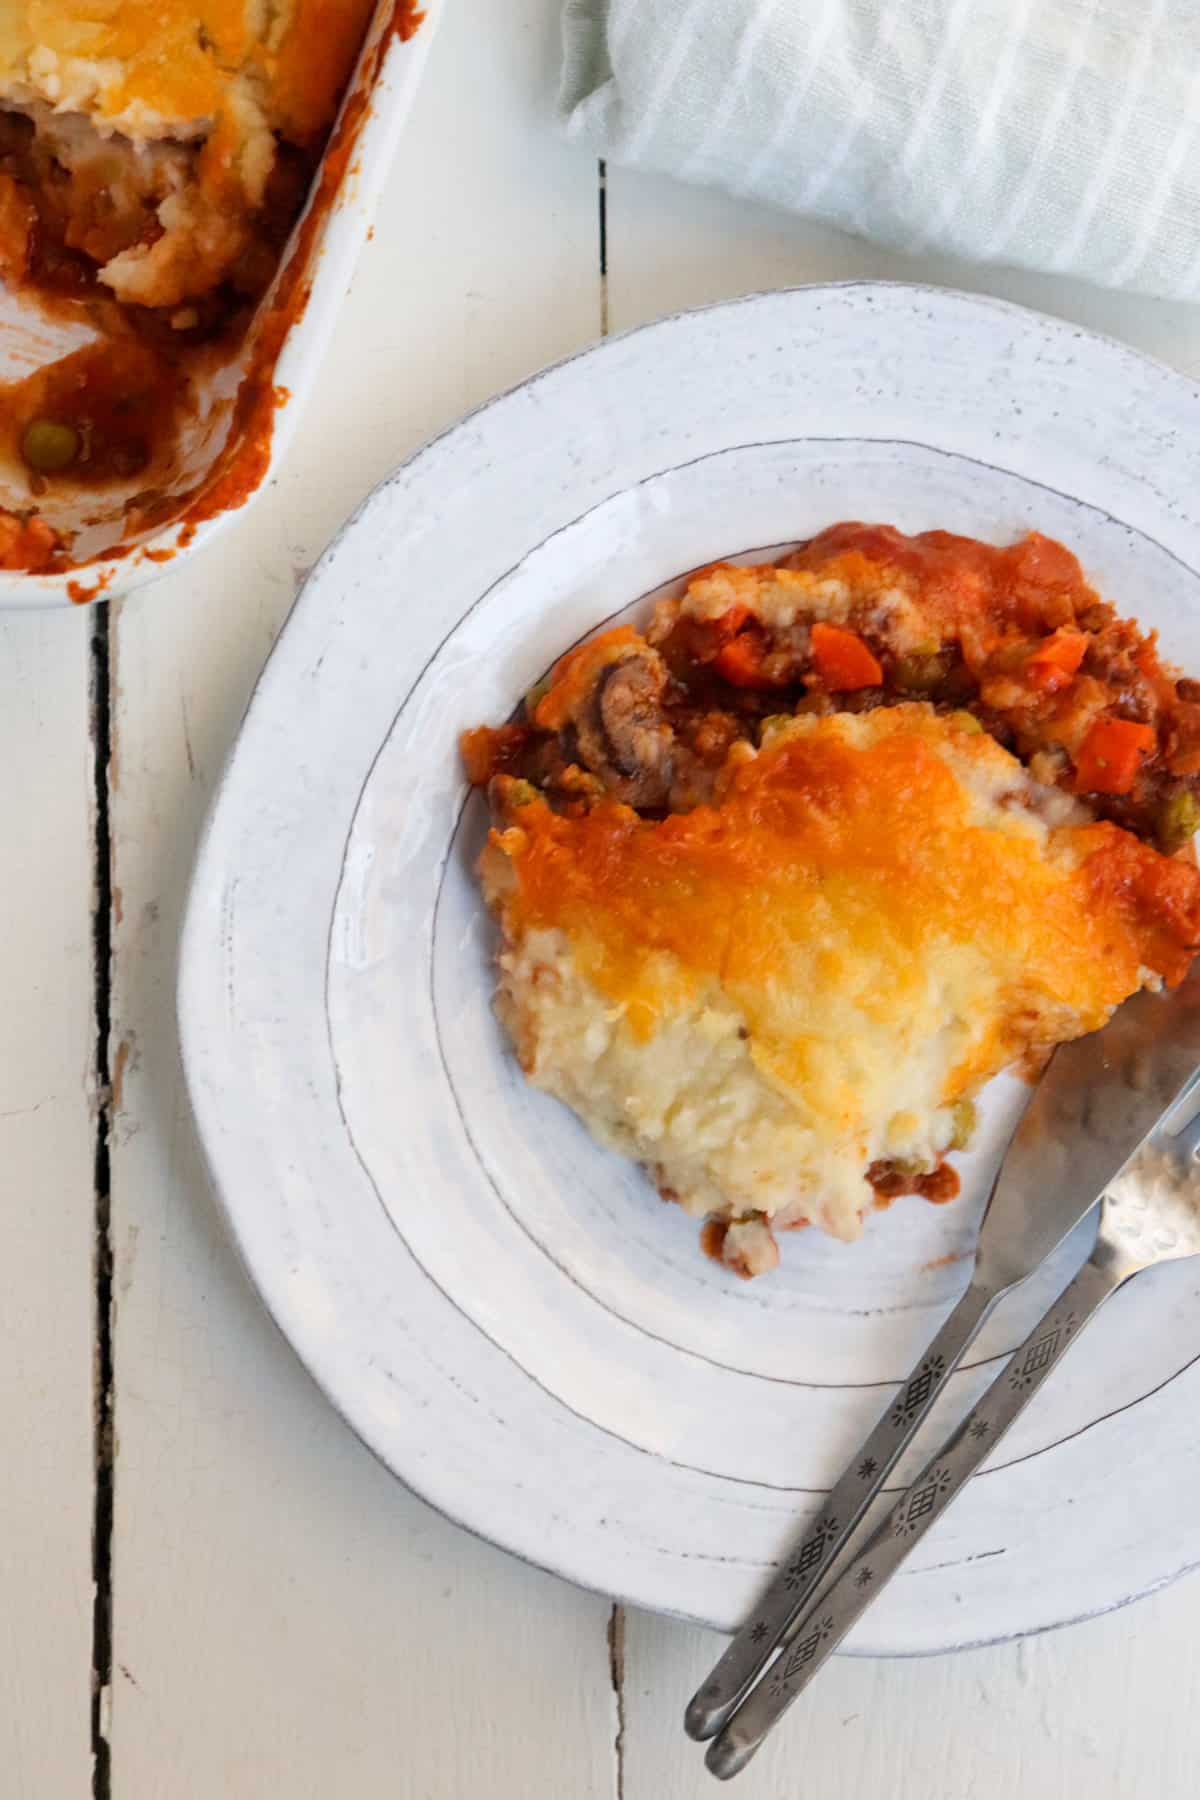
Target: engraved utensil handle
{"points": [[942, 1479], [784, 1600]]}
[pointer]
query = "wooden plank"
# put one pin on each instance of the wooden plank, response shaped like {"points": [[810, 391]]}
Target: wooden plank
{"points": [[47, 1146], [1117, 1699], [1109, 1707], [288, 1620]]}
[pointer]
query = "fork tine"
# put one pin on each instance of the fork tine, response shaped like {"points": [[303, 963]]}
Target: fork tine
{"points": [[1184, 1110], [1181, 1127], [1187, 1141]]}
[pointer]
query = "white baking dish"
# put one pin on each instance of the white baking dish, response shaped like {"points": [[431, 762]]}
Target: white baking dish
{"points": [[317, 263]]}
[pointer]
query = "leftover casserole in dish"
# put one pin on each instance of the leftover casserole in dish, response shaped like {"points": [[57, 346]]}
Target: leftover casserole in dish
{"points": [[154, 156], [783, 881]]}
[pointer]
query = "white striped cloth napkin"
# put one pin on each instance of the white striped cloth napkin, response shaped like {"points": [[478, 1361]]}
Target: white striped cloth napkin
{"points": [[1052, 134]]}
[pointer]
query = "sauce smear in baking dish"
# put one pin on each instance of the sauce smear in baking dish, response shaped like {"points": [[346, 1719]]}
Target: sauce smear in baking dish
{"points": [[154, 157]]}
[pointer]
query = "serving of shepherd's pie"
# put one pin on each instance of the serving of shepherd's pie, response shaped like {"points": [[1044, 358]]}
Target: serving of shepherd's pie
{"points": [[783, 881]]}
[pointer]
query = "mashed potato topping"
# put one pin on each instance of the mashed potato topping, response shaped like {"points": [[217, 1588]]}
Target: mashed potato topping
{"points": [[766, 997], [773, 954], [158, 123]]}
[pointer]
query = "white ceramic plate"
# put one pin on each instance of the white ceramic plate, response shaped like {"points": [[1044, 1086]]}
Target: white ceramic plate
{"points": [[506, 1314]]}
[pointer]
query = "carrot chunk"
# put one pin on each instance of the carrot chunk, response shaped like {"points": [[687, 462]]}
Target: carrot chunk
{"points": [[1056, 659], [740, 661], [842, 660], [1110, 755], [731, 622], [486, 751]]}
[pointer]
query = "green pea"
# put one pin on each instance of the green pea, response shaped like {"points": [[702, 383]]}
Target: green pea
{"points": [[537, 692], [1178, 819], [771, 726], [921, 674], [520, 793], [49, 445], [964, 1124]]}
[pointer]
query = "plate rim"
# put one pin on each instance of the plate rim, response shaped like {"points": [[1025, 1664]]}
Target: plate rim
{"points": [[195, 928]]}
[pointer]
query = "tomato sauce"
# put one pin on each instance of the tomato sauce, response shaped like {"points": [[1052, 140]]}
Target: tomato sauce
{"points": [[118, 399]]}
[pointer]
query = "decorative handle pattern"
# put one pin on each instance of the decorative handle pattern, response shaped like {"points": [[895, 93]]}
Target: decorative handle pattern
{"points": [[783, 1601], [943, 1478]]}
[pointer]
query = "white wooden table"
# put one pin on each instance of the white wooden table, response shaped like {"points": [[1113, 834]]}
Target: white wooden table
{"points": [[264, 1612]]}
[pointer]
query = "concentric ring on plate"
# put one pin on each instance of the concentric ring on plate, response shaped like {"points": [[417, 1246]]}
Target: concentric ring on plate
{"points": [[651, 1344], [1027, 412]]}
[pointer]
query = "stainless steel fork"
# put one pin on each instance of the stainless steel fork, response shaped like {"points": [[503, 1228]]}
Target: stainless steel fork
{"points": [[1093, 1108], [1151, 1215]]}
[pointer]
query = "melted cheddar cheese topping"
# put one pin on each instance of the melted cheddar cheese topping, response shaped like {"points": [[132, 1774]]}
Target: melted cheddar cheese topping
{"points": [[885, 905], [164, 67], [160, 134]]}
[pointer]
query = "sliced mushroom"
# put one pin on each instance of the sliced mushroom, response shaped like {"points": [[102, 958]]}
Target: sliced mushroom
{"points": [[621, 733]]}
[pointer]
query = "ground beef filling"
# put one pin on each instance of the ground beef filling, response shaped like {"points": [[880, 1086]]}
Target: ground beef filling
{"points": [[1043, 665]]}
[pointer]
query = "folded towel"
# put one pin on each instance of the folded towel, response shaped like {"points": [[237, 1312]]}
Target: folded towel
{"points": [[1053, 134]]}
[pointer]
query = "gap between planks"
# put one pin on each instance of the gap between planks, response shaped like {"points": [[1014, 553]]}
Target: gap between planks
{"points": [[616, 1674], [100, 729], [602, 221]]}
